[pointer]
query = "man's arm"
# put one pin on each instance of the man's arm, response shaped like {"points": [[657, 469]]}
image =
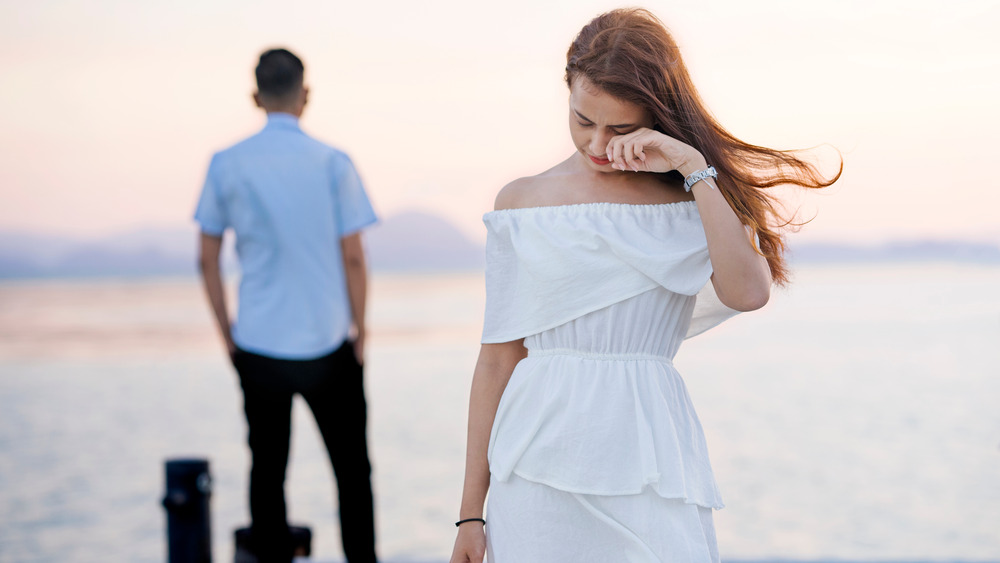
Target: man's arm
{"points": [[211, 276], [356, 271]]}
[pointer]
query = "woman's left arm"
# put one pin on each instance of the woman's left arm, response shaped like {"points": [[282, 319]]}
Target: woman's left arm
{"points": [[741, 276]]}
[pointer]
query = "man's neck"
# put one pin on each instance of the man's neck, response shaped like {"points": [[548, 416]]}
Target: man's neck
{"points": [[290, 112]]}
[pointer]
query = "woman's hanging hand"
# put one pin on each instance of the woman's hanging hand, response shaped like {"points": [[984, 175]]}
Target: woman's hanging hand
{"points": [[470, 546]]}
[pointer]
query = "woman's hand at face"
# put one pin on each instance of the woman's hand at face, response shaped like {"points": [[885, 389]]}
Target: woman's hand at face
{"points": [[646, 150]]}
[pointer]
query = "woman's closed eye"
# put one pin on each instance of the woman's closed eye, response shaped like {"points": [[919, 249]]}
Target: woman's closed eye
{"points": [[624, 131]]}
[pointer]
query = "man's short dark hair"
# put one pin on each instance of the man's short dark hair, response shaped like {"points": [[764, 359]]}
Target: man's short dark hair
{"points": [[279, 73]]}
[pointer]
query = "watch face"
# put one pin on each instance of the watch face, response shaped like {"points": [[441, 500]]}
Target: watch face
{"points": [[698, 176]]}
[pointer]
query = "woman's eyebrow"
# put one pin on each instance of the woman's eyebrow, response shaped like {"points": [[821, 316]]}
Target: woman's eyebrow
{"points": [[587, 119]]}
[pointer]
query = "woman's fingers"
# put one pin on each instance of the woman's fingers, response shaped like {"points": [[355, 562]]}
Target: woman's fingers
{"points": [[617, 152], [626, 152], [614, 152], [646, 150], [632, 152]]}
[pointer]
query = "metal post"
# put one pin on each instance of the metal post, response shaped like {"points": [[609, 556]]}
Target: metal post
{"points": [[189, 526]]}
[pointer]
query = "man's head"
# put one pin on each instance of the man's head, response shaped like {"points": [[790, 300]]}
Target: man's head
{"points": [[280, 86]]}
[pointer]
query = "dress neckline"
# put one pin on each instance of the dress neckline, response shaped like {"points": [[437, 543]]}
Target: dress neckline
{"points": [[676, 205]]}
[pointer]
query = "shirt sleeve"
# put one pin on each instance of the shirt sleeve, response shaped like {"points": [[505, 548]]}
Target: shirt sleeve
{"points": [[354, 211], [211, 211]]}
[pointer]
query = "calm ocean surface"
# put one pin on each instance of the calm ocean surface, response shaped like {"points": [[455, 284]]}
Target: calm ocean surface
{"points": [[856, 417]]}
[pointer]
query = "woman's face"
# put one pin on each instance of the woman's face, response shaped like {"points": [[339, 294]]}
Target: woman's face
{"points": [[595, 117]]}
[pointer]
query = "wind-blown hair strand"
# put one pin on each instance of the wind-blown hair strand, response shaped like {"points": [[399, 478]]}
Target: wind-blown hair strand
{"points": [[629, 54]]}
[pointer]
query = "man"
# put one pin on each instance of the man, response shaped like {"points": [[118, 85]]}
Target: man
{"points": [[297, 207]]}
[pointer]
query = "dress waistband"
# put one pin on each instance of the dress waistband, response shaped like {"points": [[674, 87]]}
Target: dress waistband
{"points": [[600, 356]]}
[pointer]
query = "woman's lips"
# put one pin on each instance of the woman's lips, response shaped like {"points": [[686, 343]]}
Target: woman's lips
{"points": [[599, 161]]}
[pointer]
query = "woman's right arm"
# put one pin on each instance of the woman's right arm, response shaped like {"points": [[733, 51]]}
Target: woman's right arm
{"points": [[493, 369]]}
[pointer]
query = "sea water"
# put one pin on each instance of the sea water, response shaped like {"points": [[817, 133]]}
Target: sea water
{"points": [[855, 417]]}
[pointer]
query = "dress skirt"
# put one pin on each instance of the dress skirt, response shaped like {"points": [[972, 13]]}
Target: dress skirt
{"points": [[528, 522]]}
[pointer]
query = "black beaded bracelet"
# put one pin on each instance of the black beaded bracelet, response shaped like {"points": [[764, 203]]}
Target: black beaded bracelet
{"points": [[460, 522]]}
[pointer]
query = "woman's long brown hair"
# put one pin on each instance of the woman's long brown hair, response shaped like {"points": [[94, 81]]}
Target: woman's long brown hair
{"points": [[629, 54]]}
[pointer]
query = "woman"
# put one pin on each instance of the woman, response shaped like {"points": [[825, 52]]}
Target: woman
{"points": [[579, 425]]}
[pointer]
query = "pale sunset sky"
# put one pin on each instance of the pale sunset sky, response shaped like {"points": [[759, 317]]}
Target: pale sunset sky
{"points": [[111, 109]]}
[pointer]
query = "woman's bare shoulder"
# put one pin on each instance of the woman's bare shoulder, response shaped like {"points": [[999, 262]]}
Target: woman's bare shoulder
{"points": [[519, 193], [532, 191]]}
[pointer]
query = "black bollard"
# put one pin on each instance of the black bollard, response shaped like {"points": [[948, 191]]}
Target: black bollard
{"points": [[189, 528]]}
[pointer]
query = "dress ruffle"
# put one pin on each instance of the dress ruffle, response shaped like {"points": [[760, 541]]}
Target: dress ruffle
{"points": [[548, 265], [579, 429]]}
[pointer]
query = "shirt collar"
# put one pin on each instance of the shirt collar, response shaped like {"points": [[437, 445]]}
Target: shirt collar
{"points": [[282, 120]]}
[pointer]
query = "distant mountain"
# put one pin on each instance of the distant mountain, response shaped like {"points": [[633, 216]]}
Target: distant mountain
{"points": [[165, 251], [420, 241], [899, 251], [410, 241]]}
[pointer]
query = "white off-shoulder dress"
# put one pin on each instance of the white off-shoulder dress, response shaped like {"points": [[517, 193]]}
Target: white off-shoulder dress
{"points": [[596, 454]]}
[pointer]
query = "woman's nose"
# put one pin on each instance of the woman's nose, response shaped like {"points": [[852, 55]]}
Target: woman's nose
{"points": [[599, 143]]}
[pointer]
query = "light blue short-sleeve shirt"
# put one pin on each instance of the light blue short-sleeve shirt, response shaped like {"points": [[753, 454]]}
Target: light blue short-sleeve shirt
{"points": [[289, 199]]}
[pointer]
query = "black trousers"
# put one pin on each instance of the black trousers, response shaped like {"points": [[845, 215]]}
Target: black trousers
{"points": [[333, 388]]}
